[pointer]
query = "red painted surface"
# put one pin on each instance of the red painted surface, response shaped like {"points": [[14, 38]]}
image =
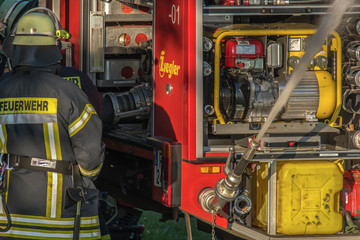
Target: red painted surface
{"points": [[190, 131], [175, 113], [126, 9], [141, 37], [350, 195], [219, 154], [356, 175], [192, 183], [175, 58], [127, 39], [70, 19], [169, 69], [239, 48]]}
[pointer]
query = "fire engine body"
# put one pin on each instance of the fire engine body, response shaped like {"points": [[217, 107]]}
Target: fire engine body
{"points": [[187, 85]]}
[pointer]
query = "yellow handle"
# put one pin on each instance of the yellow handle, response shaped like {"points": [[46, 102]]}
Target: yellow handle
{"points": [[340, 163]]}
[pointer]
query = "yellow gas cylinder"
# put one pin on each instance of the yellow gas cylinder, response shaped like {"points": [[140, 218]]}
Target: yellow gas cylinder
{"points": [[308, 197]]}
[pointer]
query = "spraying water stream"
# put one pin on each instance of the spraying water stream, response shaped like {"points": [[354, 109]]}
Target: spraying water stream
{"points": [[329, 23]]}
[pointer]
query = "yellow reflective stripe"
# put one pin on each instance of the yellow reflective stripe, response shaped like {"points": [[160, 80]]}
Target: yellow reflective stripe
{"points": [[91, 173], [28, 105], [32, 224], [49, 234], [3, 138], [81, 121], [55, 180], [50, 222], [92, 218], [13, 235], [59, 196], [57, 147], [47, 141], [52, 141], [49, 194], [54, 195]]}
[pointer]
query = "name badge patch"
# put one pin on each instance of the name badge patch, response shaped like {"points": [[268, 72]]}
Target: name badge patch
{"points": [[38, 162]]}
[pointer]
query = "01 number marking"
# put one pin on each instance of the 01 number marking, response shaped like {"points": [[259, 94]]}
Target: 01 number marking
{"points": [[175, 14]]}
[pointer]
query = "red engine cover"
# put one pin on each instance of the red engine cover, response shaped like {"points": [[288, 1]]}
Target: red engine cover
{"points": [[241, 48], [350, 195]]}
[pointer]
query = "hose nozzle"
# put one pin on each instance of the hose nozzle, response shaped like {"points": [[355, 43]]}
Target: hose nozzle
{"points": [[226, 189]]}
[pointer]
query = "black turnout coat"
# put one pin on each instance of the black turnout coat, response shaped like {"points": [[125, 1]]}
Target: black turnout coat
{"points": [[43, 116]]}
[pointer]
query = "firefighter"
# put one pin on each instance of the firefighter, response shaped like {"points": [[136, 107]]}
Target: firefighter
{"points": [[50, 141]]}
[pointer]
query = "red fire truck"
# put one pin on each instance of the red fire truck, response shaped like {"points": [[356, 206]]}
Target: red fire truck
{"points": [[188, 84]]}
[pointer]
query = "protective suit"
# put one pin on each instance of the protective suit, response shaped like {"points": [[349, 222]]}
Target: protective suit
{"points": [[50, 136]]}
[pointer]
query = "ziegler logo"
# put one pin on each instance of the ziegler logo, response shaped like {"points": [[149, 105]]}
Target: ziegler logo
{"points": [[169, 68]]}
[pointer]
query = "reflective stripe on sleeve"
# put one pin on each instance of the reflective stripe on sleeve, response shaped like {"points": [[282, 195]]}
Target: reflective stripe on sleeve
{"points": [[3, 139], [81, 121], [91, 173]]}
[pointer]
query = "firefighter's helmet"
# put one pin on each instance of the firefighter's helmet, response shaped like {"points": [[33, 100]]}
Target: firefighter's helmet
{"points": [[35, 29], [35, 39]]}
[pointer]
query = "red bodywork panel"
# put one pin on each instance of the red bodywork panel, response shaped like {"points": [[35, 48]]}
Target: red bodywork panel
{"points": [[175, 110], [192, 183], [175, 73]]}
